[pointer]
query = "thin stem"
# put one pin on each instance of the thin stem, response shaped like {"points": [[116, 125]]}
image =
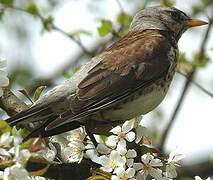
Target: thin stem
{"points": [[54, 27], [197, 85]]}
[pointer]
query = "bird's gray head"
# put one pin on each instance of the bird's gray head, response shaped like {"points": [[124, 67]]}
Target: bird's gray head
{"points": [[164, 18]]}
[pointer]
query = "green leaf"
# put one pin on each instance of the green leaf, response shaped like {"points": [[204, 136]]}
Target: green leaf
{"points": [[200, 62], [1, 14], [80, 32], [105, 28], [168, 3], [32, 9], [38, 92], [27, 144], [7, 2], [68, 74], [124, 19], [182, 58], [47, 23], [4, 127], [19, 132]]}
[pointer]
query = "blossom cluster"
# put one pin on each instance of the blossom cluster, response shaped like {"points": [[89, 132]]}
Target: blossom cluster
{"points": [[14, 156], [119, 154], [115, 156]]}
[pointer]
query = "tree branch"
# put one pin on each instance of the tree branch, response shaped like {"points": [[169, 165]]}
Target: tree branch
{"points": [[53, 27], [10, 103]]}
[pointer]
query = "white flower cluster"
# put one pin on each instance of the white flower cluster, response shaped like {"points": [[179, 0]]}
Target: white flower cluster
{"points": [[114, 156], [74, 151], [10, 151], [4, 81], [15, 158], [112, 153], [124, 163], [198, 178]]}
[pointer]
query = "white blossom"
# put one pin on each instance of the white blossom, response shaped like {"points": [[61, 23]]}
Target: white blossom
{"points": [[173, 162], [22, 155], [122, 174], [74, 151], [76, 134], [92, 153], [103, 149], [198, 178], [130, 155], [111, 162], [139, 129], [6, 140], [121, 134], [16, 172], [149, 166], [47, 153], [121, 147], [4, 81]]}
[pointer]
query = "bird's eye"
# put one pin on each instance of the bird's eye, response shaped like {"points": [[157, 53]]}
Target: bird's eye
{"points": [[176, 15]]}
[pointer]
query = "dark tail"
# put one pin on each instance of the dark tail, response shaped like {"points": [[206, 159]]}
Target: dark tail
{"points": [[35, 113], [46, 116]]}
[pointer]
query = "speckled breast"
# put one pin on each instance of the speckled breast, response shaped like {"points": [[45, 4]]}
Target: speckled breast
{"points": [[144, 100], [141, 102]]}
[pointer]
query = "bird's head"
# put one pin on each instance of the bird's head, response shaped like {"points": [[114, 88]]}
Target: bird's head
{"points": [[164, 18]]}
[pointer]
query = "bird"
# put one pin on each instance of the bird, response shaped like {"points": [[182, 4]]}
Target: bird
{"points": [[128, 79]]}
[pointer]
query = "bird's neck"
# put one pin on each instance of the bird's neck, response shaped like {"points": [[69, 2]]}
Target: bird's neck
{"points": [[153, 24]]}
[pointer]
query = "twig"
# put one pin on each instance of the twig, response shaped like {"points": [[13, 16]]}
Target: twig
{"points": [[11, 104], [184, 91], [197, 85], [54, 27]]}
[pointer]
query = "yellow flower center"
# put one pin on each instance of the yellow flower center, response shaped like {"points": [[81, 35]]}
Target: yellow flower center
{"points": [[121, 135], [113, 164]]}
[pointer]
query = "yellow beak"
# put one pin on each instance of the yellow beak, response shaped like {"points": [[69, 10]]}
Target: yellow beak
{"points": [[196, 22]]}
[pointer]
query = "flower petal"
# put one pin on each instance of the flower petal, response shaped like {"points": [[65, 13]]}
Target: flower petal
{"points": [[146, 158], [130, 136], [114, 177], [140, 132], [116, 130], [138, 166], [120, 171], [171, 171], [121, 147], [155, 173], [103, 149], [130, 172], [156, 163], [141, 175], [127, 126], [129, 162], [111, 141], [131, 153]]}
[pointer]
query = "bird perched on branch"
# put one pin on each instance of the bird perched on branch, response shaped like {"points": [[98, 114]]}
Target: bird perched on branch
{"points": [[128, 79]]}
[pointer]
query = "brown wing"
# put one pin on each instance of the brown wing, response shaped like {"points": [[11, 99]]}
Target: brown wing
{"points": [[138, 58], [134, 62]]}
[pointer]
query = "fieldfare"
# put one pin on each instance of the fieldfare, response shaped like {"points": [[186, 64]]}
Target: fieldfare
{"points": [[128, 79]]}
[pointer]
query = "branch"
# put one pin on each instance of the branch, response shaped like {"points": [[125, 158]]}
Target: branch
{"points": [[10, 103], [197, 85], [184, 91], [202, 169], [53, 27]]}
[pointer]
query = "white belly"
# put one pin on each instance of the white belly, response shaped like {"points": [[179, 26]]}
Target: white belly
{"points": [[138, 106]]}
